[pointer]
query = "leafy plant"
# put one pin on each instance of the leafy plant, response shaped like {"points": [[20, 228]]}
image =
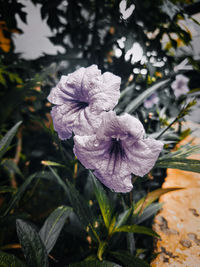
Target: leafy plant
{"points": [[81, 222]]}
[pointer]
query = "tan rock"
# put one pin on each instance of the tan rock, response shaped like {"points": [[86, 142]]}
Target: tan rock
{"points": [[178, 223]]}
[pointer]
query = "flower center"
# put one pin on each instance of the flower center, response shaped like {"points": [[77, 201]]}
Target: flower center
{"points": [[82, 105], [116, 148], [180, 85], [78, 105]]}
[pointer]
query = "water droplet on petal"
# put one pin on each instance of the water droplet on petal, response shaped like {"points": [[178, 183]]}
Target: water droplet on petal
{"points": [[96, 143]]}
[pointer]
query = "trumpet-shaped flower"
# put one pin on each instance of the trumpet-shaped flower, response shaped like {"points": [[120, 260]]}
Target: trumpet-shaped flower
{"points": [[80, 98], [151, 101], [116, 150], [180, 85]]}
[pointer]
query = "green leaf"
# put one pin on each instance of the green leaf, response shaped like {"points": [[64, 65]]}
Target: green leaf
{"points": [[101, 249], [94, 263], [14, 77], [150, 198], [81, 208], [182, 152], [195, 21], [32, 246], [53, 225], [191, 165], [103, 200], [126, 91], [122, 219], [51, 163], [7, 189], [11, 166], [140, 99], [148, 212], [59, 180], [136, 229], [129, 260], [16, 197], [9, 260], [2, 80], [112, 225], [79, 205], [183, 112], [6, 140]]}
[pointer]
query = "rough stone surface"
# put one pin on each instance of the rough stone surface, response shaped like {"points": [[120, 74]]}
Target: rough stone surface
{"points": [[178, 223]]}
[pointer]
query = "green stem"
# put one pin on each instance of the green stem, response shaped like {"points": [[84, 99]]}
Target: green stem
{"points": [[94, 232], [101, 249], [169, 126]]}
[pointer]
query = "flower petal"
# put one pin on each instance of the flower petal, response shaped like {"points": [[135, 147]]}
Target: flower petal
{"points": [[64, 132], [64, 117], [94, 154], [90, 152], [117, 150], [142, 156], [56, 96], [68, 88], [124, 126], [182, 78], [106, 93], [151, 101], [90, 80], [181, 91], [180, 85], [115, 182], [86, 122], [81, 97], [72, 84]]}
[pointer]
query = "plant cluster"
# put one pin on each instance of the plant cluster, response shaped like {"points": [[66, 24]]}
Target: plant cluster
{"points": [[53, 210]]}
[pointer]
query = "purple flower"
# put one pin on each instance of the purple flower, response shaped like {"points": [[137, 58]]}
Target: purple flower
{"points": [[117, 150], [180, 86], [80, 98], [151, 101]]}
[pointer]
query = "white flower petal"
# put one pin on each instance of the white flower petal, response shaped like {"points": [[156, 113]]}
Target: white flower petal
{"points": [[141, 157]]}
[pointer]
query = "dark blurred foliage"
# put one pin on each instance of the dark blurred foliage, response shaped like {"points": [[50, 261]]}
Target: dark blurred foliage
{"points": [[89, 31]]}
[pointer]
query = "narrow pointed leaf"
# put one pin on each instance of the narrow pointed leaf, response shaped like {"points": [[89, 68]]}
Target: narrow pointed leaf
{"points": [[78, 203], [101, 249], [182, 152], [122, 219], [52, 163], [9, 260], [148, 212], [151, 197], [128, 260], [112, 225], [140, 99], [103, 200], [59, 180], [32, 246], [53, 225], [94, 263], [81, 208], [7, 139], [131, 246], [16, 197], [11, 166], [184, 164], [137, 230], [127, 90], [7, 189]]}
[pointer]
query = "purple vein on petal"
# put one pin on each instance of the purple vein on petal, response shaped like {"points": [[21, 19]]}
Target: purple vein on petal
{"points": [[85, 89]]}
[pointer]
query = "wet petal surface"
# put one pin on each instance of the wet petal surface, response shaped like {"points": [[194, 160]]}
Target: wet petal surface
{"points": [[117, 150], [81, 97]]}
